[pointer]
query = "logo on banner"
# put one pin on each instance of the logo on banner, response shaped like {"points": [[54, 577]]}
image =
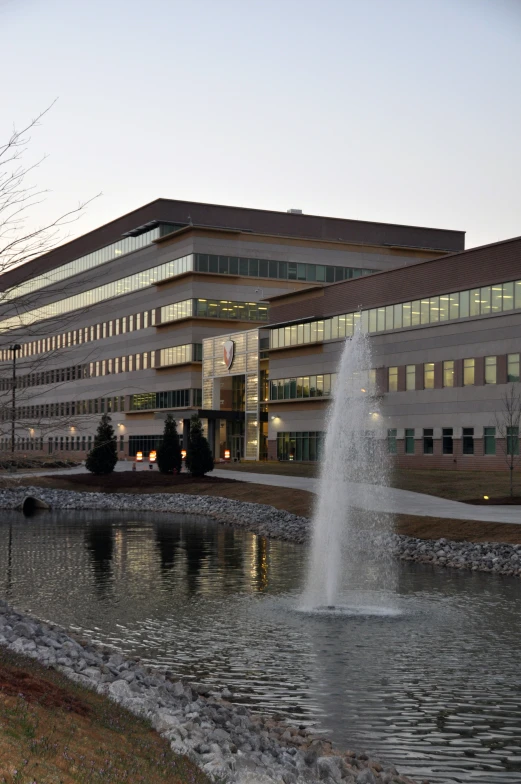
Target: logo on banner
{"points": [[228, 353]]}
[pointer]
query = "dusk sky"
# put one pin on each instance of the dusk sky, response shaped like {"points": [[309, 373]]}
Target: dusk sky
{"points": [[404, 111]]}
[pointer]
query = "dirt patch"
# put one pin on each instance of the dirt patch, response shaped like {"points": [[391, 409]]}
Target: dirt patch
{"points": [[53, 730], [457, 530], [16, 682], [506, 500], [136, 481]]}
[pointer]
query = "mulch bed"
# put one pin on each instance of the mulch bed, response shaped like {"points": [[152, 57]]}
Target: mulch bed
{"points": [[122, 480], [508, 500]]}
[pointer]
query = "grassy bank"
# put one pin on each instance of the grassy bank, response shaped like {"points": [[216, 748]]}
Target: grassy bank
{"points": [[53, 731]]}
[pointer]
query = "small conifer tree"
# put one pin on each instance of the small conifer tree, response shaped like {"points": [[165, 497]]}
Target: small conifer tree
{"points": [[169, 453], [104, 454], [199, 460]]}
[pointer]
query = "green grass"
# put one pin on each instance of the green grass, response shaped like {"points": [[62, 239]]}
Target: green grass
{"points": [[53, 731]]}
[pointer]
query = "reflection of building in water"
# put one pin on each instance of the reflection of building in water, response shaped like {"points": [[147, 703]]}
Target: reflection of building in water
{"points": [[168, 538], [259, 563], [99, 542]]}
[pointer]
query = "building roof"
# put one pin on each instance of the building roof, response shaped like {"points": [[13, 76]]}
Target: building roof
{"points": [[244, 219], [473, 268]]}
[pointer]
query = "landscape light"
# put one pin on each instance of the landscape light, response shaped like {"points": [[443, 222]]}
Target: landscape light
{"points": [[485, 497]]}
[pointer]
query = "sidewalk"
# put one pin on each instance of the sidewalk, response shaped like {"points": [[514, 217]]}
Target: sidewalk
{"points": [[389, 499]]}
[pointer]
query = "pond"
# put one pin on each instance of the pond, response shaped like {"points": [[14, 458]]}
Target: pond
{"points": [[435, 687]]}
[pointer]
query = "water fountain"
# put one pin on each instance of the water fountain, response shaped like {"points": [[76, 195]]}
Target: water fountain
{"points": [[348, 549]]}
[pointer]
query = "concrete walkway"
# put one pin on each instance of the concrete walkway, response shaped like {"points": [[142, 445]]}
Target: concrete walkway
{"points": [[389, 499], [374, 498]]}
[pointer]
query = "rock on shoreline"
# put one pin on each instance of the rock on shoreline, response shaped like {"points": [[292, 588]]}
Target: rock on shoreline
{"points": [[227, 741], [264, 520]]}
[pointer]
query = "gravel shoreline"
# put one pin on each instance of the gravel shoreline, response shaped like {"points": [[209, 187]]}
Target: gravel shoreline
{"points": [[493, 557], [227, 741]]}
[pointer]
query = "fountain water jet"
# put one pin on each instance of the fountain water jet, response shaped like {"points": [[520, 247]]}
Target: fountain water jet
{"points": [[348, 549]]}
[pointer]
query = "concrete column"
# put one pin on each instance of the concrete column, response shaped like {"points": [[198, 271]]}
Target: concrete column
{"points": [[401, 378], [186, 433], [438, 375], [420, 379], [211, 435], [502, 369], [479, 371]]}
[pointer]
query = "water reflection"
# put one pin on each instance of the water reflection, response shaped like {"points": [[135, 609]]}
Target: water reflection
{"points": [[436, 689], [99, 542]]}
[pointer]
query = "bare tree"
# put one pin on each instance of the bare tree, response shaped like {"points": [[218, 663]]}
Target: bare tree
{"points": [[22, 239], [507, 428]]}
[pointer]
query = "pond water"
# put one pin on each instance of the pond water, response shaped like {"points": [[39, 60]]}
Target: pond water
{"points": [[433, 686]]}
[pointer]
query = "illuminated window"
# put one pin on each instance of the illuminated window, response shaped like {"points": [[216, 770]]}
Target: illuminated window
{"points": [[393, 379], [448, 373], [428, 375], [468, 372]]}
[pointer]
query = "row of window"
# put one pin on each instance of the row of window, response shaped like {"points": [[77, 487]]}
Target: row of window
{"points": [[270, 268], [86, 299], [57, 444], [175, 398], [300, 445], [76, 337], [499, 298], [103, 367], [308, 445], [448, 373], [199, 262], [302, 386], [84, 263], [214, 308], [66, 408], [178, 355], [467, 441]]}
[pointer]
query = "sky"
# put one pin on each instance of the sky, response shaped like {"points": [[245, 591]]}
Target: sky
{"points": [[401, 111]]}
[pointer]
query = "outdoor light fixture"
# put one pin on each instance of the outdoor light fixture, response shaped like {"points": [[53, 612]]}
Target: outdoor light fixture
{"points": [[485, 497]]}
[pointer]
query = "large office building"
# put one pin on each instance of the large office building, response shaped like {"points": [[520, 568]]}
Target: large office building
{"points": [[116, 320], [240, 315]]}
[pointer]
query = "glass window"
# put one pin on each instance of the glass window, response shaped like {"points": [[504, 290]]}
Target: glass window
{"points": [[454, 306], [406, 314], [409, 441], [428, 441], [485, 300], [447, 442], [448, 373], [475, 301], [497, 298], [468, 440], [444, 307], [468, 372], [489, 438], [508, 296], [513, 367], [424, 311], [410, 377], [434, 310], [392, 379], [398, 316], [389, 317], [391, 441], [464, 304], [490, 370], [512, 440], [415, 312], [428, 375]]}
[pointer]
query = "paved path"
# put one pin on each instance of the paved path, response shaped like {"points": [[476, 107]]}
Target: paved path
{"points": [[389, 499], [378, 499]]}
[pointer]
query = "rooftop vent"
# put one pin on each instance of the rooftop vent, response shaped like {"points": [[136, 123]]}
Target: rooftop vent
{"points": [[295, 212]]}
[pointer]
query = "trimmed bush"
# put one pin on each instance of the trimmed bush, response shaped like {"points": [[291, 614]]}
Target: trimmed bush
{"points": [[169, 452], [104, 454], [199, 460]]}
